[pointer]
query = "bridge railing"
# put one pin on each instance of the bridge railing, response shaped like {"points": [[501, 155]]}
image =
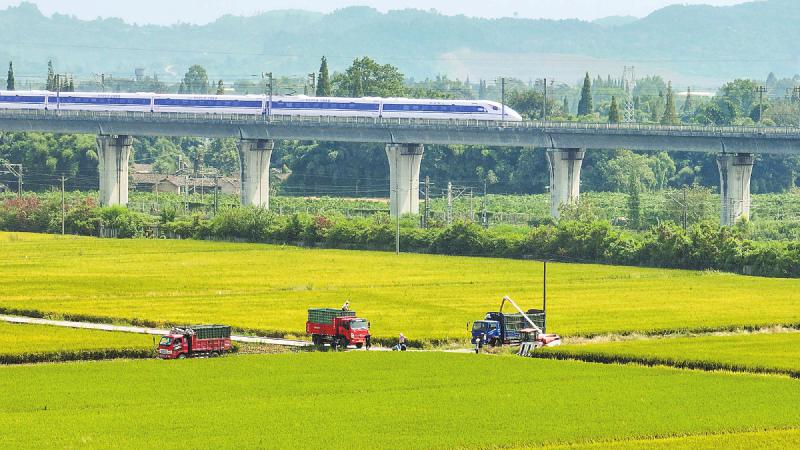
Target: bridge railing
{"points": [[245, 119]]}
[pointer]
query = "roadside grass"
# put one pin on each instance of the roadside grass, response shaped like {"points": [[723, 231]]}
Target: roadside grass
{"points": [[24, 343], [376, 400], [427, 297], [752, 352]]}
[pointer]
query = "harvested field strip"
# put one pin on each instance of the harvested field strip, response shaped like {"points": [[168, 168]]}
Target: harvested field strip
{"points": [[428, 298], [753, 352], [271, 400], [751, 440], [22, 344]]}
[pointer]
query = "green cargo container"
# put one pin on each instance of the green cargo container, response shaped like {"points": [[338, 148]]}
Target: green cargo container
{"points": [[326, 315], [206, 331], [537, 316]]}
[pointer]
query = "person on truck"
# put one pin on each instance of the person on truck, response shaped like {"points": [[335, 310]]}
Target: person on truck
{"points": [[346, 306]]}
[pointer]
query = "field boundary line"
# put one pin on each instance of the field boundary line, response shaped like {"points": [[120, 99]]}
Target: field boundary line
{"points": [[676, 334], [706, 366], [644, 439]]}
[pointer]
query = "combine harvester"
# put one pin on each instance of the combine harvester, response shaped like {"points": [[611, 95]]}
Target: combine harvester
{"points": [[525, 328]]}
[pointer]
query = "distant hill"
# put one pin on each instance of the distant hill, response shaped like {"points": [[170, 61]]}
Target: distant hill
{"points": [[699, 45], [615, 21]]}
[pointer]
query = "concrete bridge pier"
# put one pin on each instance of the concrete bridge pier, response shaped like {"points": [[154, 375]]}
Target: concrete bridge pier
{"points": [[404, 163], [254, 156], [112, 154], [565, 177], [734, 176]]}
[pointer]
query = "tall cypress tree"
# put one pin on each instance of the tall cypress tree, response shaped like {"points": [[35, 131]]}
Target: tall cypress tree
{"points": [[10, 79], [669, 117], [585, 104], [323, 79], [613, 111], [687, 104], [51, 77], [565, 106]]}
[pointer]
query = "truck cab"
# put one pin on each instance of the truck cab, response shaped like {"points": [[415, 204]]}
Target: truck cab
{"points": [[486, 332], [172, 346], [355, 330]]}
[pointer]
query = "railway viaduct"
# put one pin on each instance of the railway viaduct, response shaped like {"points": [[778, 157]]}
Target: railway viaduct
{"points": [[565, 145]]}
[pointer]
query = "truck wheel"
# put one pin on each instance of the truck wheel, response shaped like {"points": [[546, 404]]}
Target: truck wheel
{"points": [[359, 345], [343, 343], [182, 356], [316, 340], [214, 354]]}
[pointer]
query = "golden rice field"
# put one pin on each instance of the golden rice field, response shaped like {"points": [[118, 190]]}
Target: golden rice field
{"points": [[269, 288]]}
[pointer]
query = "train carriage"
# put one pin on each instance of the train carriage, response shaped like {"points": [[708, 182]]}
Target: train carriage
{"points": [[260, 105]]}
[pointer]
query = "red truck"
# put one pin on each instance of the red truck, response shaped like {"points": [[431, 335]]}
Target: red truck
{"points": [[194, 341], [337, 327]]}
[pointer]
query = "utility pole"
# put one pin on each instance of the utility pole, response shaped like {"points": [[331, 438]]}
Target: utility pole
{"points": [[484, 220], [685, 210], [629, 82], [425, 216], [397, 203], [544, 103], [503, 96], [268, 76], [449, 202], [216, 193], [761, 90], [471, 208], [63, 206], [544, 297]]}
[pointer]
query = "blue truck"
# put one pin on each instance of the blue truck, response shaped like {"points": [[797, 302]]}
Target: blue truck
{"points": [[498, 328]]}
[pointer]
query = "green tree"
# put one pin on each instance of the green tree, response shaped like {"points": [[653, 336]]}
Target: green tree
{"points": [[365, 77], [613, 111], [196, 80], [688, 104], [528, 103], [669, 117], [51, 77], [634, 202], [220, 88], [10, 79], [323, 79], [585, 104]]}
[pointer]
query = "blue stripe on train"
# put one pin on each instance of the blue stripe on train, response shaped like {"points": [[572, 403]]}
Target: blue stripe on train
{"points": [[99, 101], [21, 99]]}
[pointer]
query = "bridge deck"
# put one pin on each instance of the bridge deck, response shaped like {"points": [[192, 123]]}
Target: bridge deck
{"points": [[780, 140]]}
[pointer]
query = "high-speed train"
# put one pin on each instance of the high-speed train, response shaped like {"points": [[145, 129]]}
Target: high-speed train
{"points": [[259, 105]]}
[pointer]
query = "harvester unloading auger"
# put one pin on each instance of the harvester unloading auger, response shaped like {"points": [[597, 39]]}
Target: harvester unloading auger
{"points": [[533, 337]]}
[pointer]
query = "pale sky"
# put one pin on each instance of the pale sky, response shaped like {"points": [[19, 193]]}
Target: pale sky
{"points": [[204, 11]]}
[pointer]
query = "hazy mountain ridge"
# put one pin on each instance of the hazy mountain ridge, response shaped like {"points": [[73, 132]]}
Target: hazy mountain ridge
{"points": [[714, 43]]}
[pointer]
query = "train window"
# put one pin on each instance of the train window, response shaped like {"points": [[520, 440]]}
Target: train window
{"points": [[495, 108]]}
